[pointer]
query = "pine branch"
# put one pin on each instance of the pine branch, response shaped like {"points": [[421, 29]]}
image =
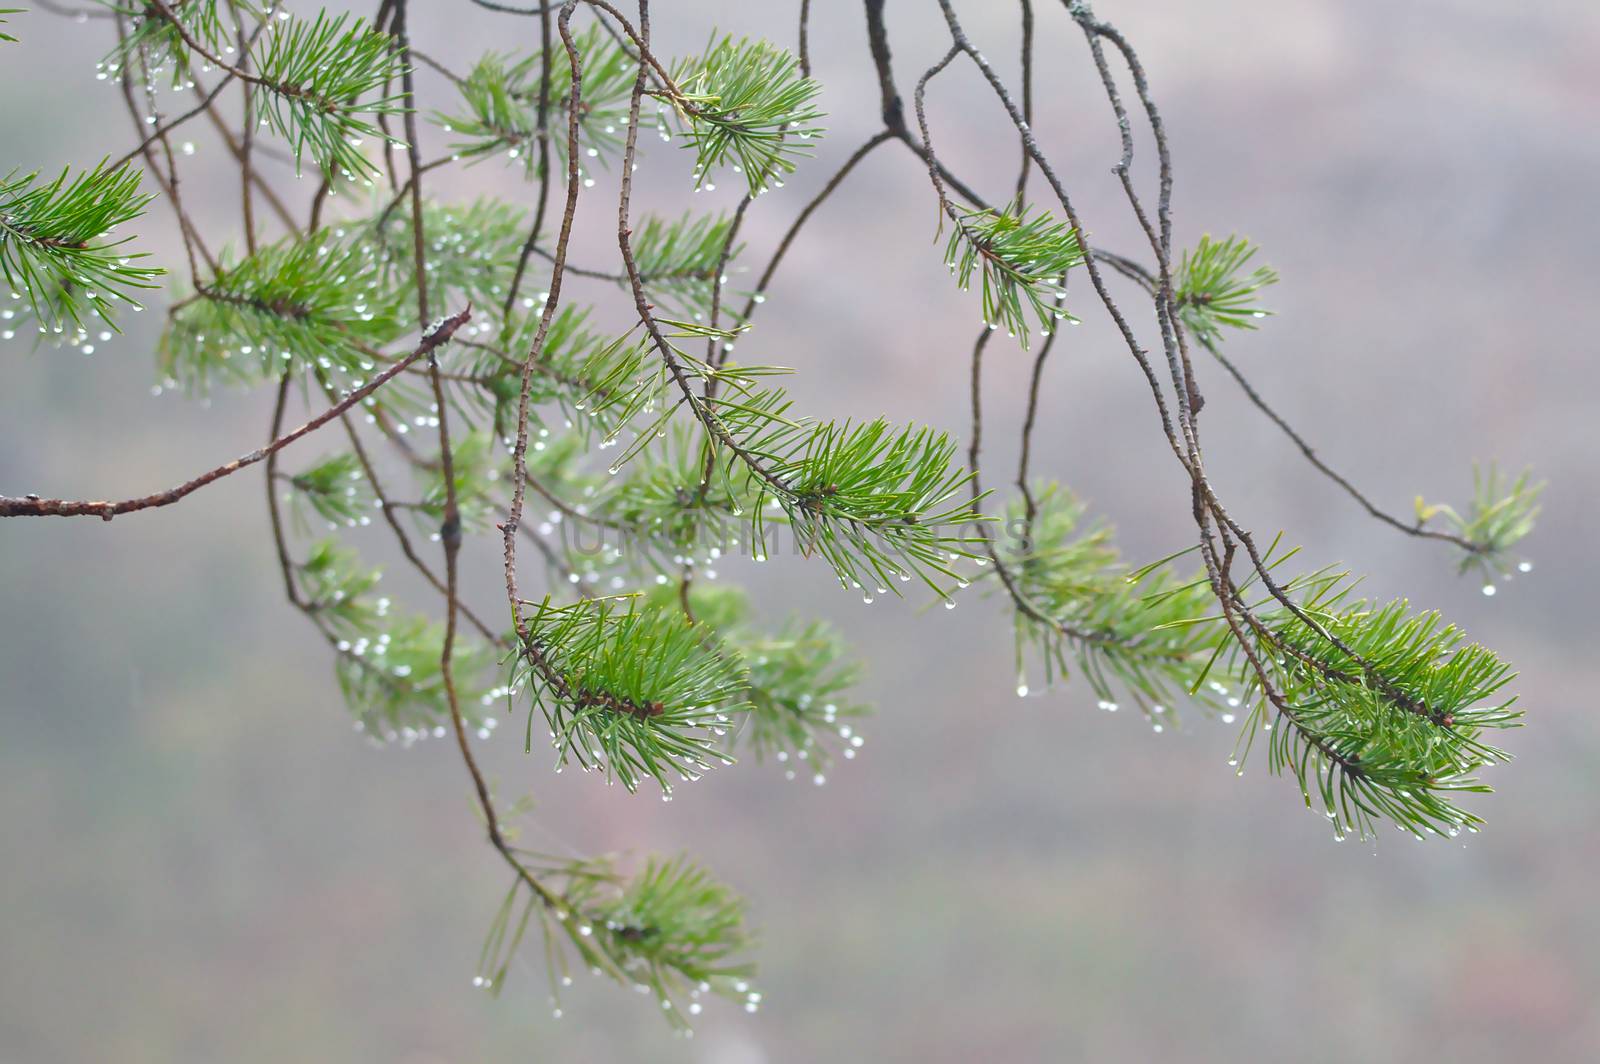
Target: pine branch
{"points": [[1498, 518], [318, 74], [669, 930], [56, 249], [500, 103], [1213, 292], [1519, 507], [336, 490], [387, 666], [745, 104], [629, 689], [670, 521], [1129, 632], [1022, 257], [679, 261], [315, 74], [594, 380], [470, 248], [163, 33], [880, 505], [801, 711], [317, 303], [1383, 720]]}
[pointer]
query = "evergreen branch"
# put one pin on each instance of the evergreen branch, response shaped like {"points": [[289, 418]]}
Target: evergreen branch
{"points": [[629, 689], [622, 382], [4, 36], [878, 504], [669, 930], [1212, 292], [873, 502], [315, 74], [828, 479], [470, 249], [336, 490], [800, 676], [1498, 518], [388, 668], [1416, 663], [155, 30], [1306, 745], [1130, 633], [55, 246], [797, 679], [411, 700], [1498, 521], [660, 505], [595, 380], [318, 302], [800, 710], [745, 104], [501, 110], [794, 716], [684, 260], [1379, 710], [1366, 752], [1022, 256]]}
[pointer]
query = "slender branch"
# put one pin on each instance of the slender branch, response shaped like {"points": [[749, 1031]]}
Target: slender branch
{"points": [[33, 506], [519, 450], [805, 44], [1311, 456], [544, 164]]}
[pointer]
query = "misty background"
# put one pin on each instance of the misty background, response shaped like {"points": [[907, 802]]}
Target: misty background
{"points": [[200, 860]]}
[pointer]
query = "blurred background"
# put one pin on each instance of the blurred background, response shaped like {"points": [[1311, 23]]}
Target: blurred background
{"points": [[200, 860]]}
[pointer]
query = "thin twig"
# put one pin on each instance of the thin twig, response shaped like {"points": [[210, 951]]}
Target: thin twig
{"points": [[33, 506]]}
